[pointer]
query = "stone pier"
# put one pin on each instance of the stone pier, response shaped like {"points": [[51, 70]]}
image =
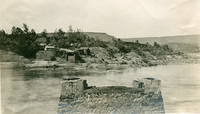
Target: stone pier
{"points": [[144, 97], [148, 84], [72, 87]]}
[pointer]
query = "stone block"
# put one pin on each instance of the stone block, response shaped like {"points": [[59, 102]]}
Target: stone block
{"points": [[135, 83], [72, 87], [148, 84]]}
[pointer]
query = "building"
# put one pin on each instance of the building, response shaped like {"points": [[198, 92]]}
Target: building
{"points": [[45, 55], [67, 50], [84, 51], [49, 48], [75, 92], [69, 55], [42, 44], [148, 84]]}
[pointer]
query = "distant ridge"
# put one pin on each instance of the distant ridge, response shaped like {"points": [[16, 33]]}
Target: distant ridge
{"points": [[102, 36], [191, 39], [184, 47]]}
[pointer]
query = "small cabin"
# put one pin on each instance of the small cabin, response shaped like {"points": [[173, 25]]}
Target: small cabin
{"points": [[69, 55], [45, 55], [84, 51]]}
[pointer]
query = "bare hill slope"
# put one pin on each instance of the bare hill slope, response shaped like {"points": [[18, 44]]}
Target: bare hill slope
{"points": [[101, 36], [191, 39], [184, 47]]}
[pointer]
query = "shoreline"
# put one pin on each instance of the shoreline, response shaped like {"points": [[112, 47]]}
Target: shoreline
{"points": [[92, 66], [101, 61]]}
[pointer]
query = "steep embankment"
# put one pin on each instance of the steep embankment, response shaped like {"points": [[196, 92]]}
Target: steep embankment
{"points": [[12, 57], [103, 59], [12, 60]]}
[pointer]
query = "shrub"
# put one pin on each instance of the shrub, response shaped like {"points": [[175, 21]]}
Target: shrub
{"points": [[53, 58]]}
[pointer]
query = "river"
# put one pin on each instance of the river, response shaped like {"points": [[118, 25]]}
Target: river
{"points": [[37, 91]]}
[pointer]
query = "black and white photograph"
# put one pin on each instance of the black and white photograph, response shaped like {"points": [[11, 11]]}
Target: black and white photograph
{"points": [[100, 56]]}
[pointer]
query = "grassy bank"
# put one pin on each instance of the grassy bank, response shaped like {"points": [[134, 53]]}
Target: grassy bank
{"points": [[12, 60]]}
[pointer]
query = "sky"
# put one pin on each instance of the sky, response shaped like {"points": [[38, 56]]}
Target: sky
{"points": [[119, 18]]}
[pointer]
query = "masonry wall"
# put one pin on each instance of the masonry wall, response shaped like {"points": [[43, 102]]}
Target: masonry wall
{"points": [[45, 55], [39, 55], [72, 87], [78, 99], [152, 85], [71, 59], [149, 84], [135, 83]]}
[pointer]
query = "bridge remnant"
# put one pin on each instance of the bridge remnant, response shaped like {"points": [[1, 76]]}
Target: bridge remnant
{"points": [[148, 84]]}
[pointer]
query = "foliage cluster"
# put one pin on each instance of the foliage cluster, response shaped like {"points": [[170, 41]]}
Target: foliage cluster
{"points": [[23, 42], [156, 49], [20, 41]]}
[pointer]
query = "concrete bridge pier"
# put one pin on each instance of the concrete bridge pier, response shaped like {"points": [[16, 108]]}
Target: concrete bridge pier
{"points": [[72, 87]]}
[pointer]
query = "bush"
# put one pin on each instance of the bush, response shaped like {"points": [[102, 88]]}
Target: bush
{"points": [[145, 61], [53, 58]]}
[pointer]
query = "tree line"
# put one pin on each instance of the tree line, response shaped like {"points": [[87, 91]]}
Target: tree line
{"points": [[23, 41]]}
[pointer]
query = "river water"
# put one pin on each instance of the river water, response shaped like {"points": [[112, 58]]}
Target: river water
{"points": [[37, 91]]}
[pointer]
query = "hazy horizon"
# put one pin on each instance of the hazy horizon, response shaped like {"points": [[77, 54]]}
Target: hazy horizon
{"points": [[122, 19]]}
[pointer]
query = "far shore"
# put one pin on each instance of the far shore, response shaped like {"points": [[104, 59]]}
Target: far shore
{"points": [[194, 58]]}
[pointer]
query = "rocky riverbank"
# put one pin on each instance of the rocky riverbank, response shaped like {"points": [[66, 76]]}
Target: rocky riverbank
{"points": [[102, 60]]}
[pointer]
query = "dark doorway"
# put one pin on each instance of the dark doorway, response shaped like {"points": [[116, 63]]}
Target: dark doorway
{"points": [[141, 85]]}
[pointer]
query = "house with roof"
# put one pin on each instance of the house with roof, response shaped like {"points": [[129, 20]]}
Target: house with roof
{"points": [[71, 56], [47, 53], [83, 51], [68, 55]]}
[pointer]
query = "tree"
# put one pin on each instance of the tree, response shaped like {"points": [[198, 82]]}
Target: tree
{"points": [[166, 47], [137, 41], [22, 42], [16, 31], [55, 35], [33, 32], [61, 33], [44, 33], [155, 44], [2, 33], [70, 29], [26, 28]]}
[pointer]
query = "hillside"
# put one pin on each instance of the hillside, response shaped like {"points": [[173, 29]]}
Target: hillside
{"points": [[184, 47], [102, 36], [192, 39], [26, 43], [8, 56]]}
